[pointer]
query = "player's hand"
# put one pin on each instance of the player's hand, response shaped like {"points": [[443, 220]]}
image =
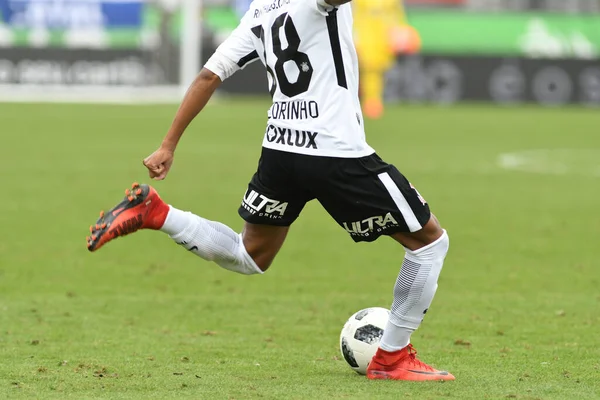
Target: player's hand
{"points": [[159, 163]]}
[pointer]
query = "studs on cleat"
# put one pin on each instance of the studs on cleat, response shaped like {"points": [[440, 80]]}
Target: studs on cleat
{"points": [[135, 193]]}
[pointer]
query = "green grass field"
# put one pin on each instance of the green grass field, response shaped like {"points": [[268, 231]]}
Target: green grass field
{"points": [[517, 313]]}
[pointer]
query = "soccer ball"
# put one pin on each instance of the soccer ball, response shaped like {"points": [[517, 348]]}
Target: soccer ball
{"points": [[360, 337]]}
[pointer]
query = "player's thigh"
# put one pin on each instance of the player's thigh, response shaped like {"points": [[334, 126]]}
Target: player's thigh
{"points": [[263, 242], [273, 197], [370, 198], [270, 205]]}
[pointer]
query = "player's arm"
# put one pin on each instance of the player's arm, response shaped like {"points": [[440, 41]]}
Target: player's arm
{"points": [[232, 55], [195, 99], [199, 93]]}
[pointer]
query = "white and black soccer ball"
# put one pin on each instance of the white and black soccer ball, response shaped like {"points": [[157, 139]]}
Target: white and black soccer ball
{"points": [[360, 337]]}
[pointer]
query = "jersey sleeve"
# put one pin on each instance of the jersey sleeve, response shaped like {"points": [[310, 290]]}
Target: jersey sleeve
{"points": [[237, 51]]}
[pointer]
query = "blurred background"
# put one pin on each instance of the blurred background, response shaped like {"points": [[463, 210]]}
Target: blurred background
{"points": [[440, 51]]}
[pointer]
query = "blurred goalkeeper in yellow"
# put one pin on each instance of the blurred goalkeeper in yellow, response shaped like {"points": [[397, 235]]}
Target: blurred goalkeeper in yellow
{"points": [[381, 32]]}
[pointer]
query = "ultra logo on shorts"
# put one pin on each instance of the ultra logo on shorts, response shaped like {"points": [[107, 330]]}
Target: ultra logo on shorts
{"points": [[369, 225], [256, 203], [292, 137]]}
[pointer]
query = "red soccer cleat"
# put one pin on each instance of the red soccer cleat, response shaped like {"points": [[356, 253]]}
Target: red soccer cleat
{"points": [[142, 208], [403, 365]]}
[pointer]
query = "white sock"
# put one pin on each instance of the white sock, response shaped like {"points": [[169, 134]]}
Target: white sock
{"points": [[176, 221], [415, 287], [211, 240]]}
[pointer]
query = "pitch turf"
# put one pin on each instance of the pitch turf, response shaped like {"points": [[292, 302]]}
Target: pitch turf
{"points": [[517, 314]]}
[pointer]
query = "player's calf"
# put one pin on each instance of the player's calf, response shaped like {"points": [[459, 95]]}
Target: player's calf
{"points": [[142, 208], [413, 294], [210, 240], [414, 291]]}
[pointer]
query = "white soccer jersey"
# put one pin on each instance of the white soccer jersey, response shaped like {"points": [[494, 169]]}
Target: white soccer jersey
{"points": [[308, 51]]}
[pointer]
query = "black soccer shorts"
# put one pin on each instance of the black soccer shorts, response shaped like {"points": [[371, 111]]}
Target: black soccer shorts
{"points": [[366, 196]]}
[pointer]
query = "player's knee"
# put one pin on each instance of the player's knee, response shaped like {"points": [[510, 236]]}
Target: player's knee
{"points": [[262, 254], [433, 238], [431, 232], [432, 229], [262, 259], [263, 242]]}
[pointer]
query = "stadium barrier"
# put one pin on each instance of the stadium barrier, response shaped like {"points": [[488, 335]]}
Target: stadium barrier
{"points": [[428, 78]]}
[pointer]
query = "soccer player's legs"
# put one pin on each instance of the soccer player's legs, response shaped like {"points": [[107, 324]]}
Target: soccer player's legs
{"points": [[251, 252], [142, 208], [369, 199], [414, 290], [270, 205]]}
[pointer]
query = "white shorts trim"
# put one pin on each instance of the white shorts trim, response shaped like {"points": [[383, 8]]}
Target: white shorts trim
{"points": [[409, 216]]}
